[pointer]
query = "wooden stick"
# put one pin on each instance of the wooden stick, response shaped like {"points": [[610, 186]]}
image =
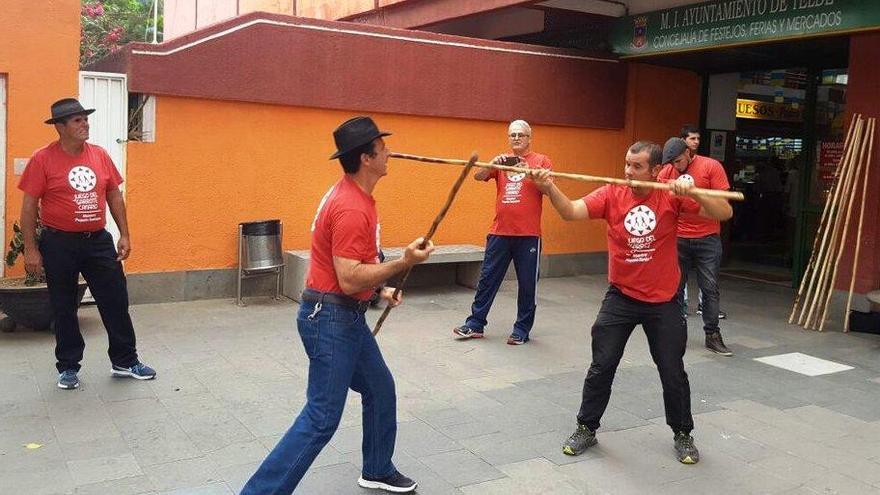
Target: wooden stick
{"points": [[825, 267], [852, 282], [850, 190], [829, 239], [822, 234], [730, 195], [431, 231], [811, 266]]}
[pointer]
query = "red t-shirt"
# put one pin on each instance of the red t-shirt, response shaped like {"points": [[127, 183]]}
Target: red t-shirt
{"points": [[72, 189], [705, 173], [642, 251], [346, 225], [518, 202]]}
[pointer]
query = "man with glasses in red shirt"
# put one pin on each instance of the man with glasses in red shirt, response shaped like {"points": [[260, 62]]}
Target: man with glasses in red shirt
{"points": [[644, 278], [515, 236]]}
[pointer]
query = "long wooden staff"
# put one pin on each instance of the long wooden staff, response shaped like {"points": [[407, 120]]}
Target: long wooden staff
{"points": [[850, 190], [811, 266], [731, 195], [871, 123], [439, 218]]}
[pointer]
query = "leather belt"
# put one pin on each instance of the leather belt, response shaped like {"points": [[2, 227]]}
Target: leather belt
{"points": [[311, 295], [77, 235]]}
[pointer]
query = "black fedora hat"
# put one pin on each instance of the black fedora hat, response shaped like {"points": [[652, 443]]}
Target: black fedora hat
{"points": [[65, 108], [355, 132]]}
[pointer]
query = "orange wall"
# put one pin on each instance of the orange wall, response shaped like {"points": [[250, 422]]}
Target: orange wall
{"points": [[218, 163], [39, 55]]}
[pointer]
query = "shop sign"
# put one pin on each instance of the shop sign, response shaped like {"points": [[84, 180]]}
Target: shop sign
{"points": [[830, 153], [765, 110], [719, 23]]}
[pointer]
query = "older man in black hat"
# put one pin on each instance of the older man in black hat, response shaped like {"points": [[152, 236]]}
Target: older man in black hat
{"points": [[343, 353], [68, 184]]}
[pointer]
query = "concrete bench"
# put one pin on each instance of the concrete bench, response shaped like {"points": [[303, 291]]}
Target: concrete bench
{"points": [[466, 260]]}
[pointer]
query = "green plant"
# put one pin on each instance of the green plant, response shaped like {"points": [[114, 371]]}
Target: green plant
{"points": [[108, 25], [16, 248]]}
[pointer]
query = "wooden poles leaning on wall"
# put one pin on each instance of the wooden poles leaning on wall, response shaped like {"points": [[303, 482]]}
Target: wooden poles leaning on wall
{"points": [[813, 299]]}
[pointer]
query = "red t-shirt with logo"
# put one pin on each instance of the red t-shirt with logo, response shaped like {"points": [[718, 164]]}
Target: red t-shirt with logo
{"points": [[72, 189], [705, 173], [518, 202], [346, 225], [642, 250]]}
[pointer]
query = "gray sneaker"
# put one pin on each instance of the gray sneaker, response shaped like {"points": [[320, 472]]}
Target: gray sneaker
{"points": [[579, 441], [685, 450], [68, 380]]}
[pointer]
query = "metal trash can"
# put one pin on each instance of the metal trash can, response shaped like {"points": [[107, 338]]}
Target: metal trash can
{"points": [[259, 253]]}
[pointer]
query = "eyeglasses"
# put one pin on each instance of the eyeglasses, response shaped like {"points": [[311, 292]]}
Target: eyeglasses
{"points": [[518, 135]]}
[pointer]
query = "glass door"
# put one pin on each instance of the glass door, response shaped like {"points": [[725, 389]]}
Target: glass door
{"points": [[810, 184]]}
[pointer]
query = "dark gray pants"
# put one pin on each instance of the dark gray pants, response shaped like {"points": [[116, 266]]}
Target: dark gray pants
{"points": [[704, 255]]}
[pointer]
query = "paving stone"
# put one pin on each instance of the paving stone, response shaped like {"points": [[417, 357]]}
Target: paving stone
{"points": [[185, 473], [135, 485], [100, 469], [461, 467], [210, 489], [332, 480], [419, 440], [502, 412]]}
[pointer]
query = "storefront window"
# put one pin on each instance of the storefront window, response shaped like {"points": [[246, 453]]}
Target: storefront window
{"points": [[830, 131]]}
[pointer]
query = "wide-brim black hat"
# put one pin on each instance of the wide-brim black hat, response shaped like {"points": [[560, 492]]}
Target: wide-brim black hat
{"points": [[67, 107], [673, 148], [355, 132]]}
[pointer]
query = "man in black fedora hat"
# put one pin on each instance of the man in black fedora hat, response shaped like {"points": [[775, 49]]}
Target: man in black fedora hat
{"points": [[68, 184], [343, 273]]}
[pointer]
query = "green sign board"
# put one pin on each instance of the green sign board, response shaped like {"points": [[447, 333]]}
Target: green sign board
{"points": [[720, 23]]}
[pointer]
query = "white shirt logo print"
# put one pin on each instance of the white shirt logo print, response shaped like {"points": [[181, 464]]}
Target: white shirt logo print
{"points": [[82, 178], [640, 221], [686, 178]]}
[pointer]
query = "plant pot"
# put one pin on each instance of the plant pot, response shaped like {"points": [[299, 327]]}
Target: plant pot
{"points": [[29, 306]]}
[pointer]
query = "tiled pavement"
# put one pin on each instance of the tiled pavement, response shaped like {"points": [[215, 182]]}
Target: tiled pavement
{"points": [[476, 417]]}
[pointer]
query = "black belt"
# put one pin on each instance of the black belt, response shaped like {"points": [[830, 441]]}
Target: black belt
{"points": [[311, 295], [77, 235]]}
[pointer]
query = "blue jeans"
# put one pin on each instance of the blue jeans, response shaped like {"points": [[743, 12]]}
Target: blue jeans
{"points": [[704, 254], [342, 354], [525, 251]]}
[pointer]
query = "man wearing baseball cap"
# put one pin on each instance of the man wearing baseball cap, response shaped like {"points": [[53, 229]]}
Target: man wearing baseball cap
{"points": [[343, 274], [643, 290], [68, 184], [699, 240]]}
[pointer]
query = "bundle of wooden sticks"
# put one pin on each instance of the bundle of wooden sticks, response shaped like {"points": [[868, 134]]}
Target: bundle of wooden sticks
{"points": [[812, 302]]}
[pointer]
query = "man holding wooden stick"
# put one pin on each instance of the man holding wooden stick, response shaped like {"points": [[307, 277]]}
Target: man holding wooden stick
{"points": [[343, 353], [515, 235], [699, 240], [644, 276]]}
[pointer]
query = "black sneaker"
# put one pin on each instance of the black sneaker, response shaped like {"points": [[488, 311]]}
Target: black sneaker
{"points": [[715, 344], [396, 483], [579, 441], [463, 332], [685, 449], [68, 380]]}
